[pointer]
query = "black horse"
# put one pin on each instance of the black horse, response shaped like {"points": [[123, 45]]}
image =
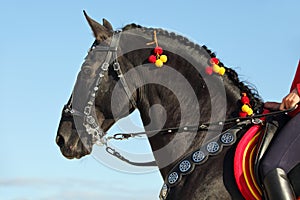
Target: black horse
{"points": [[177, 91]]}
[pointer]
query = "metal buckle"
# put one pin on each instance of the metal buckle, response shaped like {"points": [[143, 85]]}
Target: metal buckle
{"points": [[87, 110], [164, 192], [116, 66], [105, 66], [122, 136], [256, 121], [67, 109]]}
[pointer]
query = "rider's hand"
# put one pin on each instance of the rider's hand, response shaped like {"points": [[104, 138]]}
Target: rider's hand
{"points": [[290, 101]]}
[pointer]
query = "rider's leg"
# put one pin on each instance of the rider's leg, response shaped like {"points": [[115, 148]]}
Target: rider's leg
{"points": [[277, 186], [284, 153]]}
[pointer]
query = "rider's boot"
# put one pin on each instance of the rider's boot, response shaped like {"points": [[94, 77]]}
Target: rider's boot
{"points": [[277, 186]]}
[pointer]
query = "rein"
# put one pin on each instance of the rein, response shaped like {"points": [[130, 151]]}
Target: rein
{"points": [[237, 123], [255, 119]]}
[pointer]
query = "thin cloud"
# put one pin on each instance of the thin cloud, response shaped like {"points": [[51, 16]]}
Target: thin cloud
{"points": [[73, 189]]}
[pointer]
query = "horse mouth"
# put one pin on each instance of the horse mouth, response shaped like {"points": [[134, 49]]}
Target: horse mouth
{"points": [[76, 150]]}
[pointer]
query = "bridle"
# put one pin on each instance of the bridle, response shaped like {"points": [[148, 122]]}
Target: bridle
{"points": [[90, 121], [92, 127]]}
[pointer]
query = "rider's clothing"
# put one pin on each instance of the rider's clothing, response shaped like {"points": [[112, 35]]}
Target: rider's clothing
{"points": [[284, 150], [285, 147], [296, 84]]}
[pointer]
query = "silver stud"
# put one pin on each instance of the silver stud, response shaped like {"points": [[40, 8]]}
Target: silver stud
{"points": [[173, 178], [90, 120], [227, 138], [198, 156], [185, 166], [213, 147]]}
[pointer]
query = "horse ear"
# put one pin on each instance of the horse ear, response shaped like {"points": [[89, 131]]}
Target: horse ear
{"points": [[101, 32], [107, 25]]}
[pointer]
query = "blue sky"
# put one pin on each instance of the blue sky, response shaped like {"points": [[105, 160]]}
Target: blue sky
{"points": [[43, 44]]}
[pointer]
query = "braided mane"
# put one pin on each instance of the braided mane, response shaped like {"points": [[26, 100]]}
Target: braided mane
{"points": [[255, 99]]}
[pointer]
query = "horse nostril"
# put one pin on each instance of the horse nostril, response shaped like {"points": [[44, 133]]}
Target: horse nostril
{"points": [[60, 141]]}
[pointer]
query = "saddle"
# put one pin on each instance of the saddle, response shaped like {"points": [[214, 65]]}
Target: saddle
{"points": [[250, 152]]}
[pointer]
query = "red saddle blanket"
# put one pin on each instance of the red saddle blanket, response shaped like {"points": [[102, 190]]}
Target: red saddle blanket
{"points": [[244, 164]]}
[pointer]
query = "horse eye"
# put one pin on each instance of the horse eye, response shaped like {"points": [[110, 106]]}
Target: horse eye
{"points": [[87, 71]]}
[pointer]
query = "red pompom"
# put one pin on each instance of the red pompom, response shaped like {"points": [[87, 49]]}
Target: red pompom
{"points": [[209, 70], [243, 114], [245, 99], [214, 61], [158, 50], [152, 59]]}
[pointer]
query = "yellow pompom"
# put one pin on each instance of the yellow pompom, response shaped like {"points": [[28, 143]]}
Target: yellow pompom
{"points": [[216, 68], [250, 111], [222, 71], [163, 58], [246, 108], [158, 63]]}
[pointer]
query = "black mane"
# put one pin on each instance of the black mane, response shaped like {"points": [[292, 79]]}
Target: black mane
{"points": [[255, 99]]}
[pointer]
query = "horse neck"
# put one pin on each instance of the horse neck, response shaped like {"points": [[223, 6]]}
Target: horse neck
{"points": [[176, 87], [161, 108]]}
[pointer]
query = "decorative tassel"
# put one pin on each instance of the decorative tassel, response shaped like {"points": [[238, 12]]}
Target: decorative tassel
{"points": [[246, 109], [158, 58], [215, 67]]}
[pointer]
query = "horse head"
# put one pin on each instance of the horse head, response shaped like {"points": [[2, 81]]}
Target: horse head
{"points": [[72, 135]]}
